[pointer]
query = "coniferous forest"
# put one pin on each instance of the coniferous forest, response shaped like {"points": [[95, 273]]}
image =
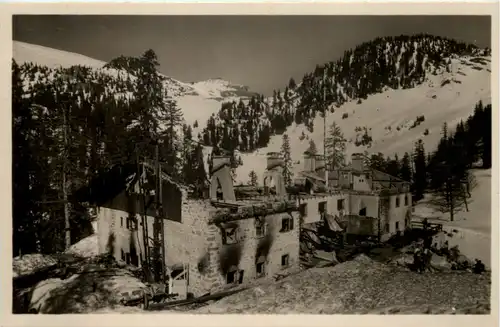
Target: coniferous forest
{"points": [[391, 62], [77, 122], [70, 124], [445, 171]]}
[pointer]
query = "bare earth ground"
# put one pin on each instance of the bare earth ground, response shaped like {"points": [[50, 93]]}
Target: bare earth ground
{"points": [[363, 286]]}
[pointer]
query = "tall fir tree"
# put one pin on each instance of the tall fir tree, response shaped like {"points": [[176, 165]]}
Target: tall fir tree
{"points": [[312, 149], [420, 175], [393, 166], [286, 153], [335, 147], [406, 171], [173, 120], [253, 179]]}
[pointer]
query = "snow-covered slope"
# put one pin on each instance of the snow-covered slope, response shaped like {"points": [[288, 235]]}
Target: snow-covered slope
{"points": [[446, 95], [197, 100], [473, 227], [388, 116]]}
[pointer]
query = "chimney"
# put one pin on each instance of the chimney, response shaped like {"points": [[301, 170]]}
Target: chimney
{"points": [[321, 168], [274, 160], [221, 185], [219, 161], [309, 161], [320, 165], [358, 162]]}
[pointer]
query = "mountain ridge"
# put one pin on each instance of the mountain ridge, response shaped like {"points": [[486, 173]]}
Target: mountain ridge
{"points": [[447, 74]]}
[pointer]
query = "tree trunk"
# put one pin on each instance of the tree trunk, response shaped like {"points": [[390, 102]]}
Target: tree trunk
{"points": [[65, 185], [465, 200], [452, 206]]}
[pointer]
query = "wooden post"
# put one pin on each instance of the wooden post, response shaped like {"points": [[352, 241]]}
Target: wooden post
{"points": [[160, 214], [65, 184], [145, 238]]}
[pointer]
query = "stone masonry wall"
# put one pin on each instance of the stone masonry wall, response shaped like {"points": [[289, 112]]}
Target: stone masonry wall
{"points": [[186, 241], [243, 255], [113, 236]]}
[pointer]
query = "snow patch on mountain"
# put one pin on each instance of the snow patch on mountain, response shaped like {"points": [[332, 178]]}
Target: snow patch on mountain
{"points": [[390, 115], [197, 100]]}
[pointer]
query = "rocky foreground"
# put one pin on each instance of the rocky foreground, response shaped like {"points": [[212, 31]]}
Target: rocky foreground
{"points": [[364, 286]]}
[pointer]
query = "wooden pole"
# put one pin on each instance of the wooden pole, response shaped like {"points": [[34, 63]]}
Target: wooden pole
{"points": [[325, 158], [145, 237], [160, 216], [64, 183]]}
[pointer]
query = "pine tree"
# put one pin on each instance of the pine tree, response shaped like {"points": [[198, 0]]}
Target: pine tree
{"points": [[393, 167], [198, 174], [252, 178], [173, 120], [406, 172], [378, 162], [486, 137], [335, 147], [312, 149], [291, 84], [420, 176], [449, 175], [24, 170], [286, 153]]}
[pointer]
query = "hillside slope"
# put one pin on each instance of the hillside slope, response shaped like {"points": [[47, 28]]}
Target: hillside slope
{"points": [[386, 289], [381, 87], [445, 97], [191, 97]]}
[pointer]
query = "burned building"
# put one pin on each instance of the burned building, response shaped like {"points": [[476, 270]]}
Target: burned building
{"points": [[362, 200], [208, 244]]}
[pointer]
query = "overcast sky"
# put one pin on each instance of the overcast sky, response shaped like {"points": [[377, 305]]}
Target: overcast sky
{"points": [[262, 52]]}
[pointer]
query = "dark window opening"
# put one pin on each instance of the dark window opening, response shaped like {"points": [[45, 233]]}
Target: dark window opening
{"points": [[387, 228], [303, 209], [406, 200], [260, 229], [134, 258], [286, 224], [322, 207], [231, 277], [285, 260], [340, 204], [123, 255], [218, 192], [230, 235], [178, 274], [362, 212], [397, 225], [240, 276], [260, 269], [131, 224], [121, 221], [397, 202]]}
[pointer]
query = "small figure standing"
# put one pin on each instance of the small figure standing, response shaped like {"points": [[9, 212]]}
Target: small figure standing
{"points": [[425, 223], [417, 259], [479, 267]]}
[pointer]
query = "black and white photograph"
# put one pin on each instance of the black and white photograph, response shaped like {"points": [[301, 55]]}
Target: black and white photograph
{"points": [[252, 164]]}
